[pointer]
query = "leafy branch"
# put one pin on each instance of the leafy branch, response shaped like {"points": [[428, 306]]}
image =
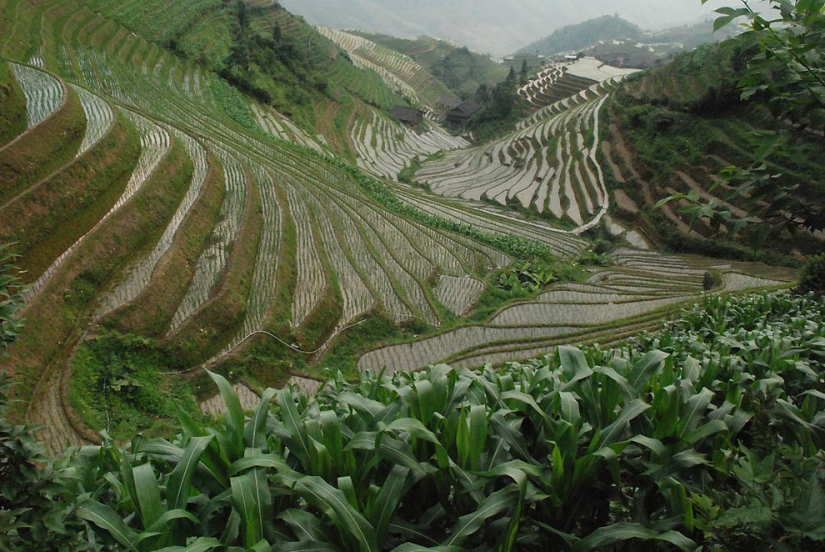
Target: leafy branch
{"points": [[787, 76]]}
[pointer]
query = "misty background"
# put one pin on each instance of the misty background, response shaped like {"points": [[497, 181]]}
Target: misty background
{"points": [[495, 27]]}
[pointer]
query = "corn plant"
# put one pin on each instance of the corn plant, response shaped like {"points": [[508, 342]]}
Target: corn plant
{"points": [[672, 442]]}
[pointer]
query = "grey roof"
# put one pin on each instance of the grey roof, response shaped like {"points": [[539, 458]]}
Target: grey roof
{"points": [[449, 102], [465, 109], [406, 114]]}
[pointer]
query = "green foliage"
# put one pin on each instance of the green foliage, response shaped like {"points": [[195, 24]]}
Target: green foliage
{"points": [[706, 434], [812, 277], [11, 297], [407, 173], [788, 72], [464, 71], [530, 276], [12, 106], [36, 493], [122, 385], [666, 139], [232, 102], [501, 108], [786, 75], [764, 353], [773, 203]]}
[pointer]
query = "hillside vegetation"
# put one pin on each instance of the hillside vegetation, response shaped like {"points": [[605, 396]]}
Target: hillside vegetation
{"points": [[169, 220], [706, 434], [574, 38], [244, 278], [250, 206], [461, 69], [683, 125]]}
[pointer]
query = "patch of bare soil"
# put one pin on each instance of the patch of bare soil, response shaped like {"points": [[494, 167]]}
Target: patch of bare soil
{"points": [[625, 203], [607, 148]]}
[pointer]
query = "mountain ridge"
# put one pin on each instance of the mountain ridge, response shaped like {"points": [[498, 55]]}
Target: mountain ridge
{"points": [[469, 23]]}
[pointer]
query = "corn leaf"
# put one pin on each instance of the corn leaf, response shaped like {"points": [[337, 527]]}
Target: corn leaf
{"points": [[258, 461], [621, 532], [245, 500], [177, 490], [147, 498], [351, 524], [306, 526], [415, 428], [298, 441], [573, 364], [696, 406], [411, 547], [629, 412], [650, 363], [361, 404], [493, 505], [106, 518], [399, 452], [234, 418], [509, 432], [255, 430], [168, 516], [306, 546], [202, 544], [385, 504], [624, 386]]}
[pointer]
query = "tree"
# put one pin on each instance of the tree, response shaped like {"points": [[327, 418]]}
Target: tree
{"points": [[788, 72], [786, 75]]}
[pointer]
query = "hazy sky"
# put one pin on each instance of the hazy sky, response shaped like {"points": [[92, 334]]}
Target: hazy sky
{"points": [[498, 27]]}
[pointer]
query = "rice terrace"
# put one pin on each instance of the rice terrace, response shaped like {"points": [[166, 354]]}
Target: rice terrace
{"points": [[505, 304]]}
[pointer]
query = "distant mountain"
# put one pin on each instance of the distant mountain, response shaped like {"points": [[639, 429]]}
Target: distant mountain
{"points": [[497, 27], [622, 43], [582, 35]]}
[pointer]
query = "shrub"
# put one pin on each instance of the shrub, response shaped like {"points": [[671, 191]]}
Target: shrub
{"points": [[812, 277], [11, 293]]}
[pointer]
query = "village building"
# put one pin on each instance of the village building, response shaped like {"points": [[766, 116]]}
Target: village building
{"points": [[446, 103], [407, 115], [460, 114]]}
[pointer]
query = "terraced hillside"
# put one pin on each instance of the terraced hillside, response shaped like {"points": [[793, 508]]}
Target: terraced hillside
{"points": [[674, 129], [400, 72], [630, 297], [459, 68], [149, 198], [562, 80], [549, 165]]}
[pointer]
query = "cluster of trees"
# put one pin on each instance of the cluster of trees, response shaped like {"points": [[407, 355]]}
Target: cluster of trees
{"points": [[274, 68], [501, 108]]}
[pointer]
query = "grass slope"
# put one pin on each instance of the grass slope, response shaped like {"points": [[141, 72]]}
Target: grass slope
{"points": [[12, 106]]}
